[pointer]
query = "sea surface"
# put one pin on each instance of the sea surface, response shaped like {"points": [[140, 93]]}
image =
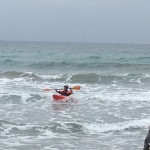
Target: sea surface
{"points": [[112, 108]]}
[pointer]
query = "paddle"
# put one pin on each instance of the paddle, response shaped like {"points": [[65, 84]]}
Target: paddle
{"points": [[73, 88]]}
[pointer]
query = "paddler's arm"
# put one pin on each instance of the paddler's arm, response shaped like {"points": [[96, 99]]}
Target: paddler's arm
{"points": [[71, 91], [57, 91]]}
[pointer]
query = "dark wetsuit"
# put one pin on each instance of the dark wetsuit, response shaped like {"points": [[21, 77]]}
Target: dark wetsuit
{"points": [[147, 141], [65, 93]]}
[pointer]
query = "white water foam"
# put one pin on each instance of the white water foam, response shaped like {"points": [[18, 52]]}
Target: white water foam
{"points": [[120, 126]]}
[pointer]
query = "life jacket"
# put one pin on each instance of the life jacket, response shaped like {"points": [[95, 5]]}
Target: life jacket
{"points": [[65, 93]]}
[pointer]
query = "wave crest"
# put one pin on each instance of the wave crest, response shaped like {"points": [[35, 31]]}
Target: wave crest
{"points": [[15, 74], [91, 78], [115, 127]]}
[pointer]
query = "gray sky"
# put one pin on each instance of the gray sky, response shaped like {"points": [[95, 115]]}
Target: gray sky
{"points": [[103, 21]]}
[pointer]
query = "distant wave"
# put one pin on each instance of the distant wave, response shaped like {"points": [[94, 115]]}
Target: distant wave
{"points": [[108, 78], [92, 62], [48, 64], [92, 78], [10, 61], [15, 74], [95, 57], [146, 58], [86, 64]]}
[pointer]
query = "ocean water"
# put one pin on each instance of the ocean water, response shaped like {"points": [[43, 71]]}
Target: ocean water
{"points": [[112, 108]]}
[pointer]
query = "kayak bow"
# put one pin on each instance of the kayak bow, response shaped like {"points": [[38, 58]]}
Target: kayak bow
{"points": [[59, 97]]}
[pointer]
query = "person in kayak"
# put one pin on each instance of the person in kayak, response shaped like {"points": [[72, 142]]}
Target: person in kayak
{"points": [[65, 92]]}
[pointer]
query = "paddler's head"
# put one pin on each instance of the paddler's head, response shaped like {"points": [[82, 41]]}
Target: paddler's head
{"points": [[66, 87]]}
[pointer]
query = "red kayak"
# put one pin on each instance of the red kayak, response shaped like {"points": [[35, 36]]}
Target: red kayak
{"points": [[60, 98]]}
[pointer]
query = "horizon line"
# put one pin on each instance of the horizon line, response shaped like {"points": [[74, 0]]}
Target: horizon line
{"points": [[87, 42]]}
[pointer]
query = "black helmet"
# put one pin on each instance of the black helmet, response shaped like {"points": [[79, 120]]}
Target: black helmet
{"points": [[66, 86]]}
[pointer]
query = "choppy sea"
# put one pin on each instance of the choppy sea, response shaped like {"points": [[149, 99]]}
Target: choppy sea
{"points": [[112, 110]]}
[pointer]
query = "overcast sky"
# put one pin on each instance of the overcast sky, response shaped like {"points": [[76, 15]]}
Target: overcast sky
{"points": [[102, 21]]}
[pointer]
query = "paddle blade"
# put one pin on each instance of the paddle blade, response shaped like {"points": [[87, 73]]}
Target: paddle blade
{"points": [[76, 88], [47, 90]]}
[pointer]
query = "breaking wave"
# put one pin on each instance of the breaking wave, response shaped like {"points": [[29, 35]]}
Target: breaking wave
{"points": [[121, 126], [92, 78], [70, 127]]}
